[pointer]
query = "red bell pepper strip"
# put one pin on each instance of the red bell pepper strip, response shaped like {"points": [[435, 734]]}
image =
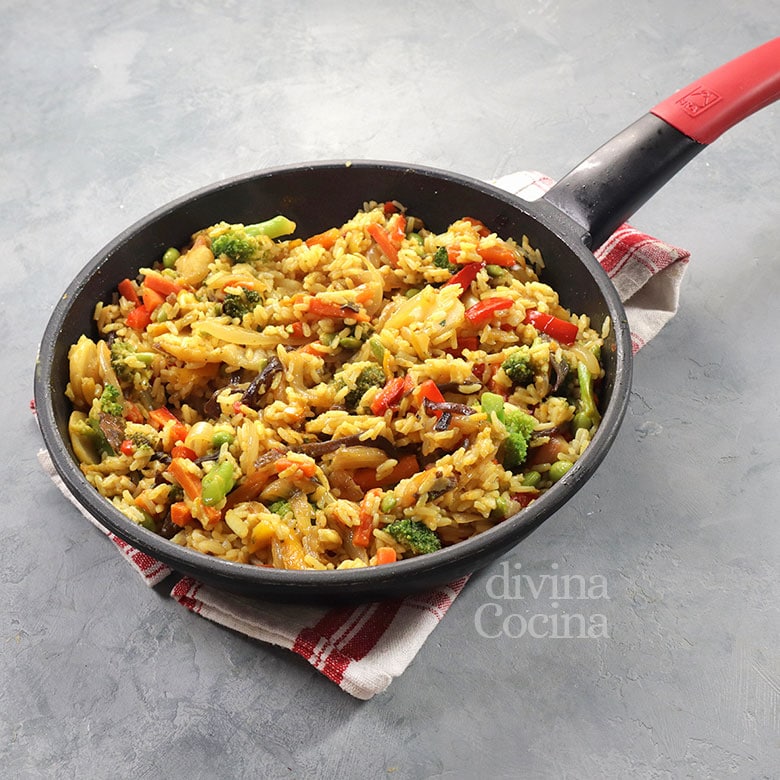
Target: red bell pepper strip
{"points": [[555, 327], [428, 389], [464, 342], [127, 447], [127, 290], [466, 275], [158, 417], [390, 394], [481, 313], [138, 318], [525, 498]]}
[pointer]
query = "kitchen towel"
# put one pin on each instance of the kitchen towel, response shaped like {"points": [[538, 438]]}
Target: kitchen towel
{"points": [[363, 648]]}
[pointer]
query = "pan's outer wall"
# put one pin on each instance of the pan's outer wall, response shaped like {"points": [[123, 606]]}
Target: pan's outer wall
{"points": [[316, 197]]}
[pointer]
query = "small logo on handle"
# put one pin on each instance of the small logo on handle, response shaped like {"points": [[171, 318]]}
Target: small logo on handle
{"points": [[698, 100]]}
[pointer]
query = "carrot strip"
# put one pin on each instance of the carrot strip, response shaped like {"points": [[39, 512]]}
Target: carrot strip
{"points": [[180, 514], [190, 483], [385, 555], [152, 299], [321, 308], [361, 536], [180, 451], [308, 469], [497, 255], [162, 284], [326, 240], [385, 242], [366, 479], [251, 487], [479, 226]]}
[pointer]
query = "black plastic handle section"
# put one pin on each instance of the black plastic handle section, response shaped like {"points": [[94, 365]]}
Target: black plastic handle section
{"points": [[608, 187]]}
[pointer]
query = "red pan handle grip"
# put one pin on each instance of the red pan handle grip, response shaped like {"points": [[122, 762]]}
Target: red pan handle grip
{"points": [[711, 105], [612, 183]]}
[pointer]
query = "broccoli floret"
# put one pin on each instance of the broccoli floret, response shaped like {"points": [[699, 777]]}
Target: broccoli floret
{"points": [[239, 304], [370, 376], [142, 442], [280, 507], [242, 242], [414, 535], [109, 401], [519, 427], [125, 359], [517, 367], [442, 260]]}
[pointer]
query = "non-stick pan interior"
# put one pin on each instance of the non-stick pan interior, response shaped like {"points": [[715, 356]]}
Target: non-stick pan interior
{"points": [[317, 197]]}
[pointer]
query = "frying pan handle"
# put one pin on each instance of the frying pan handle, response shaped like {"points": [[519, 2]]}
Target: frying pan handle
{"points": [[609, 186], [705, 109]]}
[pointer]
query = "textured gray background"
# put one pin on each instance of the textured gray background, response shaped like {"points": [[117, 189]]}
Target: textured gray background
{"points": [[111, 109]]}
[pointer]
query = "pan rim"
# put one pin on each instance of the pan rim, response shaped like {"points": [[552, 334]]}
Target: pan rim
{"points": [[284, 585]]}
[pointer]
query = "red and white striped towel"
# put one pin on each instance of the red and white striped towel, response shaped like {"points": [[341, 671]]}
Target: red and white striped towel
{"points": [[363, 648]]}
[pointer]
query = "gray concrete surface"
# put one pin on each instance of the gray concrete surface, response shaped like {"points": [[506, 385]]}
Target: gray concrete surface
{"points": [[112, 109]]}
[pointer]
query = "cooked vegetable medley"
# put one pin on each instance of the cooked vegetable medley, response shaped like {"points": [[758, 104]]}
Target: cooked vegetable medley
{"points": [[374, 392]]}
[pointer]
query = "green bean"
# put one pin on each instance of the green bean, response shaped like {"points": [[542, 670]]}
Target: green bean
{"points": [[273, 228], [388, 504], [494, 270], [221, 437], [217, 483], [532, 479], [170, 257], [582, 420], [492, 402], [502, 506], [349, 342], [148, 521], [558, 469], [377, 348]]}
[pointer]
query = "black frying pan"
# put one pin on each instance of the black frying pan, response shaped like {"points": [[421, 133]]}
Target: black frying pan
{"points": [[581, 211]]}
